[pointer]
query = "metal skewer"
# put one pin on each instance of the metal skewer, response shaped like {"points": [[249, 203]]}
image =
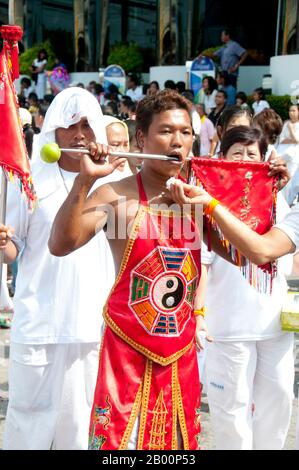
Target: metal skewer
{"points": [[150, 156]]}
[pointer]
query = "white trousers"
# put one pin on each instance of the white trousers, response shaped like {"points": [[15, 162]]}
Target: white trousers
{"points": [[242, 374], [51, 390]]}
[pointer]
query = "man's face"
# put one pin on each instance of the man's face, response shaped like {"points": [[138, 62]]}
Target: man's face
{"points": [[224, 37], [76, 136], [220, 99], [170, 133], [130, 83]]}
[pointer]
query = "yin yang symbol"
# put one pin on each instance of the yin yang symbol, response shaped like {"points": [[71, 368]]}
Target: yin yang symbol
{"points": [[168, 292]]}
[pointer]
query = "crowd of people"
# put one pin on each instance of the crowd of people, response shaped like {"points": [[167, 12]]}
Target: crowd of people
{"points": [[79, 379]]}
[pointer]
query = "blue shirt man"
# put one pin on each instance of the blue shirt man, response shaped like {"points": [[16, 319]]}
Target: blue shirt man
{"points": [[231, 55]]}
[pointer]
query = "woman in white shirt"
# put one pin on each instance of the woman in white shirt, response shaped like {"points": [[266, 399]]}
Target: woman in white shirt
{"points": [[38, 73], [209, 87], [259, 101], [251, 359], [288, 146]]}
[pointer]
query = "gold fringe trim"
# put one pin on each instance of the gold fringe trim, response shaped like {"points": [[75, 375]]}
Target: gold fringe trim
{"points": [[145, 401], [163, 361], [182, 419], [174, 381], [132, 420]]}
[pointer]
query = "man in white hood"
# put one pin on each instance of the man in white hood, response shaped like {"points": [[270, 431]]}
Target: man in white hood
{"points": [[58, 302]]}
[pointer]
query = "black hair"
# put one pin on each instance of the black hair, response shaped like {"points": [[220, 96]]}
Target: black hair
{"points": [[113, 105], [260, 92], [181, 87], [242, 96], [223, 92], [212, 84], [42, 51], [33, 96], [154, 82], [98, 88], [28, 136], [169, 84], [26, 80], [133, 77], [164, 100], [48, 98], [43, 108], [189, 95], [246, 136], [230, 113], [131, 124]]}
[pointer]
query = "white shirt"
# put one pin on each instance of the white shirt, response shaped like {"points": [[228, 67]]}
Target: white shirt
{"points": [[236, 311], [290, 225], [57, 299], [259, 106], [135, 95], [196, 121], [209, 101]]}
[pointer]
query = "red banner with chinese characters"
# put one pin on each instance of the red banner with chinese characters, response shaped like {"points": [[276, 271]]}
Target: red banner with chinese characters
{"points": [[249, 193], [13, 157]]}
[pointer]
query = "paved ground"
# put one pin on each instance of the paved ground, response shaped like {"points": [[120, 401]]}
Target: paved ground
{"points": [[207, 435]]}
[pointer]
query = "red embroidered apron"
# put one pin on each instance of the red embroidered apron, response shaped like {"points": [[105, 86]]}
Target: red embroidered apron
{"points": [[148, 363]]}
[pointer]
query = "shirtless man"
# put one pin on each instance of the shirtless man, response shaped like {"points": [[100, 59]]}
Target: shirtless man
{"points": [[148, 343]]}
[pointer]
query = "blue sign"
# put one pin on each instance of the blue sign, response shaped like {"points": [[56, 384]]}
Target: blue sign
{"points": [[116, 75], [201, 67]]}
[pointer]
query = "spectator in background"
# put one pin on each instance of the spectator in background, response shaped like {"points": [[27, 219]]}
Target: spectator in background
{"points": [[124, 106], [196, 122], [99, 93], [38, 68], [111, 108], [170, 85], [180, 87], [288, 149], [91, 87], [48, 99], [241, 100], [231, 116], [39, 122], [134, 163], [223, 84], [134, 91], [33, 103], [145, 87], [270, 123], [26, 120], [26, 87], [259, 101], [220, 101], [231, 56], [207, 131], [153, 88], [208, 94]]}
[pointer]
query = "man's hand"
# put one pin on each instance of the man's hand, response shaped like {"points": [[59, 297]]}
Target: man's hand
{"points": [[183, 193], [233, 69], [6, 232], [278, 166], [201, 327], [95, 165]]}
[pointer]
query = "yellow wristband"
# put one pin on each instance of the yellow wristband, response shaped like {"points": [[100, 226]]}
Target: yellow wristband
{"points": [[201, 312], [211, 207]]}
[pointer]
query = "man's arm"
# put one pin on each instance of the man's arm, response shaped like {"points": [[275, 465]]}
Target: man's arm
{"points": [[241, 60], [260, 249], [81, 217]]}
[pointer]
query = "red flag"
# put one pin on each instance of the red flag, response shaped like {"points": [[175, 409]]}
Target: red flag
{"points": [[13, 154], [247, 191]]}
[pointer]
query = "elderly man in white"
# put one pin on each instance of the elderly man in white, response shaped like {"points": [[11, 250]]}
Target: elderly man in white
{"points": [[58, 302]]}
